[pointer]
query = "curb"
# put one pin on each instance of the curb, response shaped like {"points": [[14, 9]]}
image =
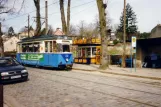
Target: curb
{"points": [[129, 75], [84, 69], [11, 102]]}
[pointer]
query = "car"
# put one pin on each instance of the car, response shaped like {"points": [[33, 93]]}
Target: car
{"points": [[11, 70]]}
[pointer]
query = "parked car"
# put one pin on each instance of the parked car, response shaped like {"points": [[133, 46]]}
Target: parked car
{"points": [[11, 70]]}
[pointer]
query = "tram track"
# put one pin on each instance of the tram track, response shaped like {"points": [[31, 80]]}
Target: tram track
{"points": [[154, 84], [104, 93], [102, 83]]}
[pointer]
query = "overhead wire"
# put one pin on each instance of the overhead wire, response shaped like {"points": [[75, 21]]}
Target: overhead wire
{"points": [[74, 7], [29, 12], [44, 7]]}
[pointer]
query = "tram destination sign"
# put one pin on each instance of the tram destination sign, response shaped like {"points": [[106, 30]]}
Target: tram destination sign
{"points": [[35, 57]]}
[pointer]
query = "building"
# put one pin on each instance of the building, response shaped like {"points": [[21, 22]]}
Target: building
{"points": [[145, 47], [58, 32], [156, 32], [24, 34], [10, 44]]}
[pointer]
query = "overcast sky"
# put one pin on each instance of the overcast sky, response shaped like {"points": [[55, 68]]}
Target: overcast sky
{"points": [[147, 11]]}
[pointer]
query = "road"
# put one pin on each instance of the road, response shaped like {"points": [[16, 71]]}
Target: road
{"points": [[51, 88]]}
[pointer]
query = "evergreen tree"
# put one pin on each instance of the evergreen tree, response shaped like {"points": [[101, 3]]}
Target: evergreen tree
{"points": [[11, 32], [131, 27]]}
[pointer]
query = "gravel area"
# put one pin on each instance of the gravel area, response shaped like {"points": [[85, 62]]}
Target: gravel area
{"points": [[51, 88]]}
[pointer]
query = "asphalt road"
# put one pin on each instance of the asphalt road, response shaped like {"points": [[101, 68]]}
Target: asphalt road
{"points": [[51, 88]]}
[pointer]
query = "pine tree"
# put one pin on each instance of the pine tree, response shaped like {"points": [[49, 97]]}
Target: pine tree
{"points": [[131, 27], [11, 31]]}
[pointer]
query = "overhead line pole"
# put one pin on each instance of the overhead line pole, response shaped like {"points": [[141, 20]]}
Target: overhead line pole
{"points": [[28, 25], [124, 44], [46, 16]]}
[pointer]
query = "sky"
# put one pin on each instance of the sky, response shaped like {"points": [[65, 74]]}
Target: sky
{"points": [[147, 13]]}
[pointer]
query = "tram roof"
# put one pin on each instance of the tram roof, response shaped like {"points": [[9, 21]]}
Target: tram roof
{"points": [[45, 37]]}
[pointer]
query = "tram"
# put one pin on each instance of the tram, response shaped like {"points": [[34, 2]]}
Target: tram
{"points": [[45, 51]]}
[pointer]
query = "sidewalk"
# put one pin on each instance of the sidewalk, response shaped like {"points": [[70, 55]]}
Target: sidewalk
{"points": [[148, 73]]}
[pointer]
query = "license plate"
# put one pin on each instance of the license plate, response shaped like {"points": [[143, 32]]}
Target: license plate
{"points": [[17, 76]]}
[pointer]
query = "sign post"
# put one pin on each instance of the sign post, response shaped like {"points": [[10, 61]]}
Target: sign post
{"points": [[1, 95], [133, 51]]}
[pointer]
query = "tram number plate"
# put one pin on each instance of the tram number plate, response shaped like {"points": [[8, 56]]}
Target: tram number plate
{"points": [[17, 76]]}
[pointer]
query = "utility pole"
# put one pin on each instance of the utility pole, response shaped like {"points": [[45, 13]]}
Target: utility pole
{"points": [[124, 44], [28, 25], [46, 16], [1, 95]]}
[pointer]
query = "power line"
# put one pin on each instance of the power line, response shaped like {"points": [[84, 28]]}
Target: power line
{"points": [[75, 6], [44, 7], [29, 12], [82, 10]]}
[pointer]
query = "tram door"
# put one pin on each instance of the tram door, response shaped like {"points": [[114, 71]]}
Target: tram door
{"points": [[98, 54]]}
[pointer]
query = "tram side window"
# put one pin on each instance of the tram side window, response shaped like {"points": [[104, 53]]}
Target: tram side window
{"points": [[66, 48], [25, 48], [36, 48], [59, 47], [46, 46], [30, 48], [51, 46]]}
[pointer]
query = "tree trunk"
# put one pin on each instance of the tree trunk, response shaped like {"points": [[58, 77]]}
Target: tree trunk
{"points": [[103, 27], [38, 21], [64, 27], [1, 46], [68, 17], [124, 45], [1, 42]]}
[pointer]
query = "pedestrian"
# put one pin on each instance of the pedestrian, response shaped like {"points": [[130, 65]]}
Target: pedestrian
{"points": [[153, 59]]}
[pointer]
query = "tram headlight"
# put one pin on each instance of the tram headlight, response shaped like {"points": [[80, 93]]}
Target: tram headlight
{"points": [[67, 59]]}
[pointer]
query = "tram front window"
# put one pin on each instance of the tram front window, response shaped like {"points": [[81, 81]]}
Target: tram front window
{"points": [[66, 48]]}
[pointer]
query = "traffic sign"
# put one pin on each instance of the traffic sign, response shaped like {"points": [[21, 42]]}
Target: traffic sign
{"points": [[133, 41]]}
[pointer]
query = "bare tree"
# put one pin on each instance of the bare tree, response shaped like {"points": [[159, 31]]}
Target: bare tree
{"points": [[1, 43], [51, 30], [3, 10], [102, 20], [72, 30], [68, 16], [81, 28], [64, 26], [38, 21]]}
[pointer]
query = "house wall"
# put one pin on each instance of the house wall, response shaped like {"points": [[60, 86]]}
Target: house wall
{"points": [[156, 32], [25, 34], [11, 44]]}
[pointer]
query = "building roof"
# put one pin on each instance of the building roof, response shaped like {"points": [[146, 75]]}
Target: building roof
{"points": [[58, 32], [152, 41], [44, 37]]}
